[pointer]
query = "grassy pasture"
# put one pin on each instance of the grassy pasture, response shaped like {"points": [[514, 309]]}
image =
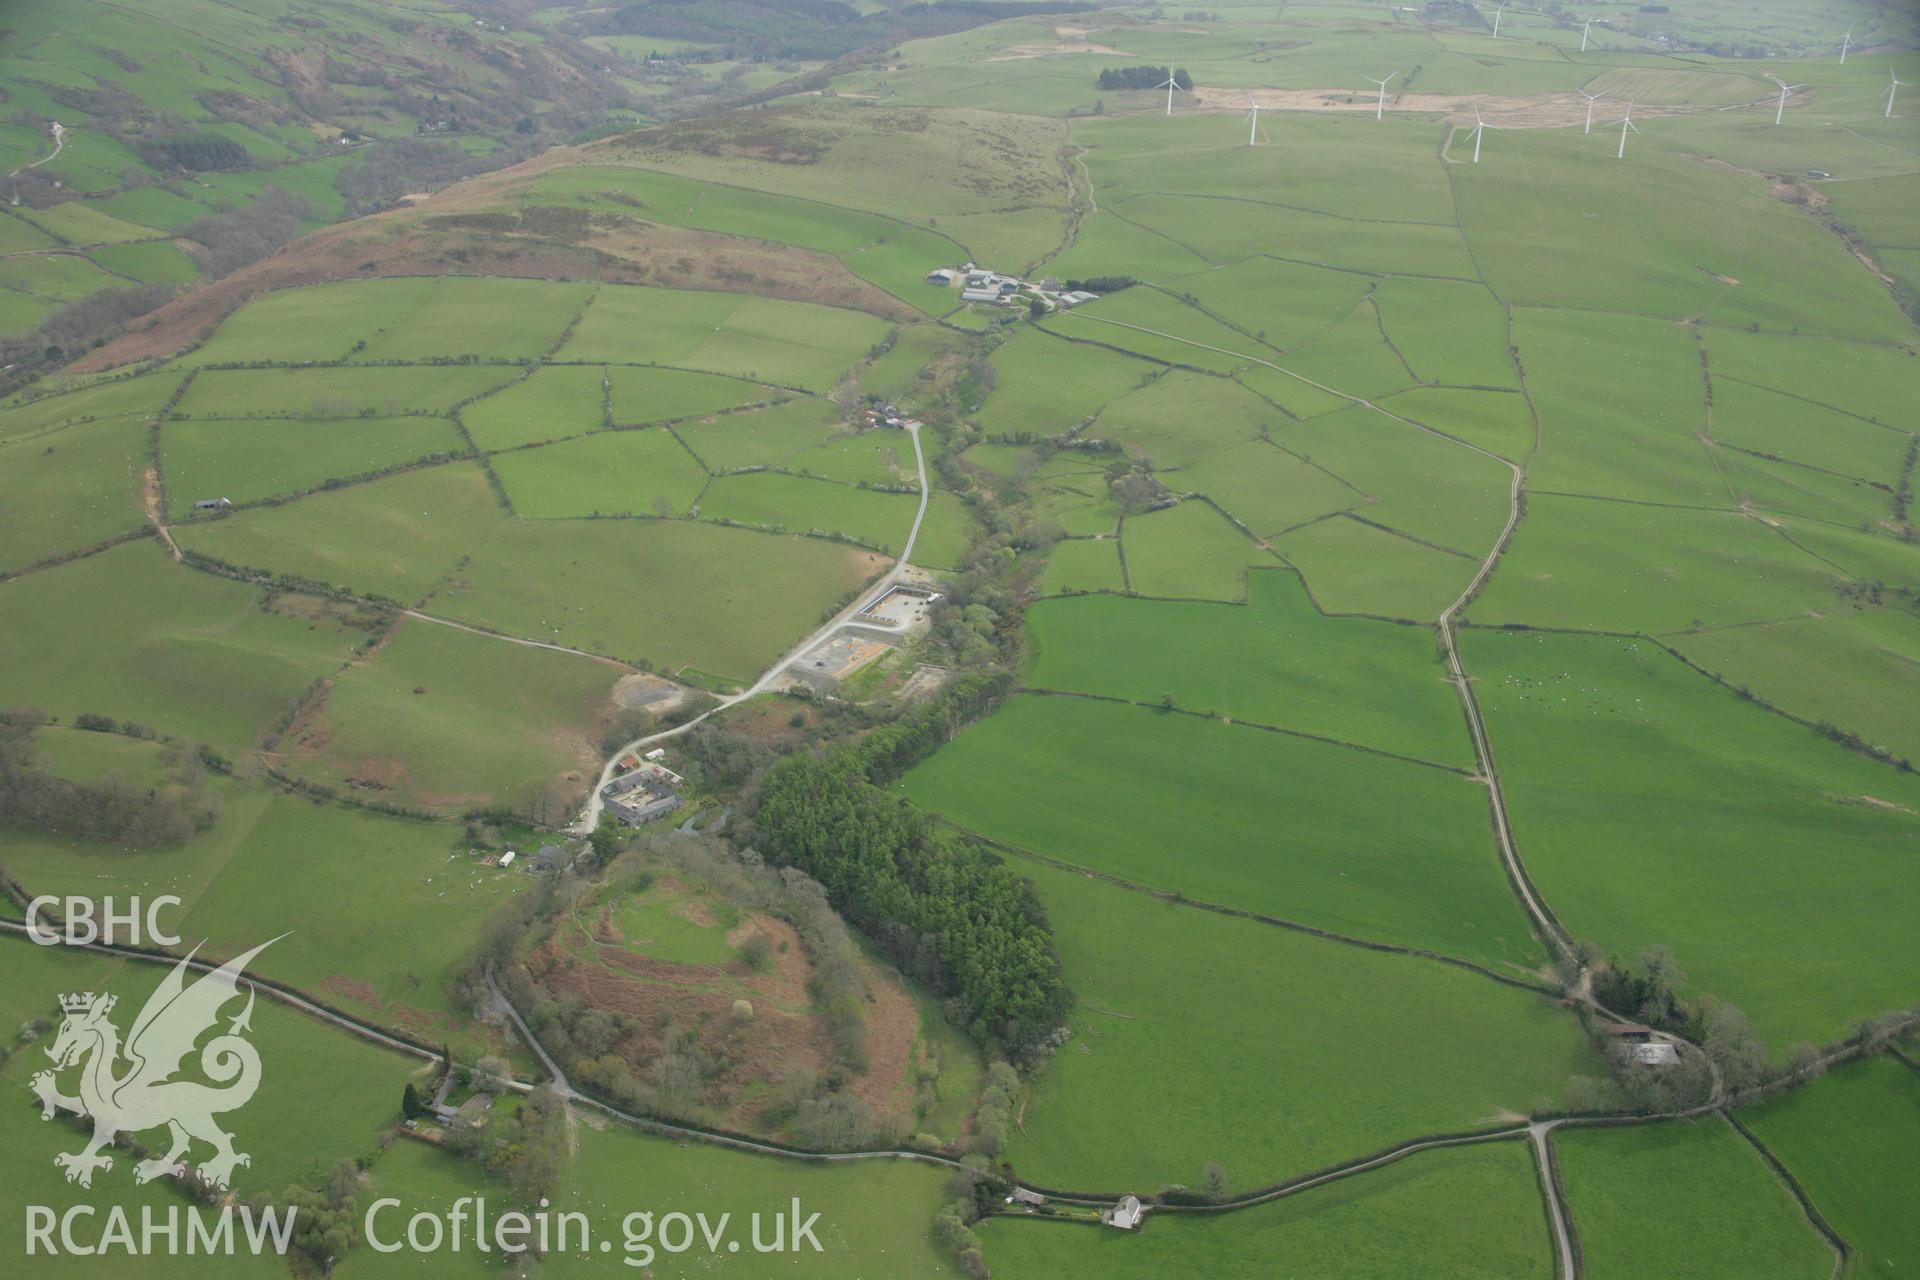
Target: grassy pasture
{"points": [[883, 456], [161, 263], [1811, 492], [324, 1096], [796, 344], [1869, 382], [1694, 1193], [70, 490], [1655, 807], [1189, 552], [529, 718], [52, 277], [1429, 488], [553, 403], [1266, 488], [1849, 667], [1616, 566], [1848, 1138], [609, 473], [83, 755], [184, 652], [463, 316], [765, 437], [1277, 660], [423, 1179], [337, 393], [1199, 1055], [1356, 568], [667, 395], [875, 1215], [1067, 492], [1112, 240], [947, 533], [1352, 357], [1799, 431], [1459, 1213], [247, 459], [1183, 417], [1279, 302], [274, 864], [1405, 248], [1134, 320], [1449, 332], [1601, 433], [396, 537], [800, 505], [1083, 564], [1047, 386], [1495, 422], [723, 600], [1266, 822], [1292, 396]]}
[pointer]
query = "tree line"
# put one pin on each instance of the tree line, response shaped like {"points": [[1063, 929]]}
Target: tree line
{"points": [[110, 808], [1142, 78], [944, 909]]}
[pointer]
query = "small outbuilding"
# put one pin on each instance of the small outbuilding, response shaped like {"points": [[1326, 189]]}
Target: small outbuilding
{"points": [[942, 276]]}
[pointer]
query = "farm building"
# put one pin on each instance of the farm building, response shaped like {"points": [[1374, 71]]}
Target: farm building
{"points": [[506, 859], [1124, 1213], [1655, 1053], [1023, 1196], [638, 797], [658, 753], [552, 857], [971, 294], [943, 275], [213, 504]]}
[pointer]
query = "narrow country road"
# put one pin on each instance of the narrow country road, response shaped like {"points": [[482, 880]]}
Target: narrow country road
{"points": [[1537, 1133], [595, 804]]}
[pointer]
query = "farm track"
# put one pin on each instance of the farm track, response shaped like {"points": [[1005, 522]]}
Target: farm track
{"points": [[591, 817]]}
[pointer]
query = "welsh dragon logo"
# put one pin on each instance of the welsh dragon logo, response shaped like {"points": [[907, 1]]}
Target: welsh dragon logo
{"points": [[128, 1088]]}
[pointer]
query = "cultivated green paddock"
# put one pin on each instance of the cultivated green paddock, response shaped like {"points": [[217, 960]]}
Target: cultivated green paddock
{"points": [[877, 457], [1316, 1035], [183, 652], [1267, 488], [765, 437], [1239, 816], [793, 344], [1456, 1213], [530, 719], [71, 490], [1276, 660], [554, 403], [378, 391], [1848, 666], [1654, 807], [1083, 564], [1498, 423], [796, 504], [1183, 417], [1046, 385], [1353, 567], [947, 533], [1189, 552], [397, 537], [1617, 566], [640, 395], [244, 460], [1353, 358], [274, 864], [610, 473], [1693, 1193], [115, 398], [677, 593], [1279, 303], [1447, 332], [1848, 1138]]}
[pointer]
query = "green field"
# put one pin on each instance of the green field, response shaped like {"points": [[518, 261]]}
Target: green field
{"points": [[1322, 1031], [611, 473], [246, 460], [1189, 552], [378, 391], [1083, 564], [530, 716], [1693, 1193], [554, 403], [1847, 1138], [1354, 567], [1238, 816], [796, 504], [1466, 1212], [1275, 661], [184, 652], [74, 489], [1653, 807], [764, 438]]}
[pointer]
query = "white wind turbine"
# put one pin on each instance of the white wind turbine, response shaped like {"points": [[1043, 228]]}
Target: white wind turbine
{"points": [[1479, 127], [1626, 123], [1170, 86], [1785, 89], [1591, 99], [1496, 20], [1846, 43], [1380, 108], [1897, 82], [1252, 117], [1584, 28]]}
